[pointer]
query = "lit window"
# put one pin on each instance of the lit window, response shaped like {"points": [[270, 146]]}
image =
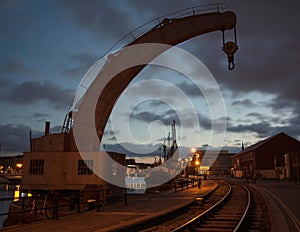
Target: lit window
{"points": [[85, 167], [36, 167]]}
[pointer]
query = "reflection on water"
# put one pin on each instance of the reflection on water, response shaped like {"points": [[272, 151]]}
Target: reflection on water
{"points": [[17, 193], [6, 191], [135, 184]]}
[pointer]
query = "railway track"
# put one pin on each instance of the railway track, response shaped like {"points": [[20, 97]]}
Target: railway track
{"points": [[227, 214]]}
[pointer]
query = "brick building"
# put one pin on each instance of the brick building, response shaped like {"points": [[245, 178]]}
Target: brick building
{"points": [[211, 162], [54, 164], [259, 159], [287, 166]]}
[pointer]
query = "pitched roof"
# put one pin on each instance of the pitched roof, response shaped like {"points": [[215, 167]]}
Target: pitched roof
{"points": [[263, 142]]}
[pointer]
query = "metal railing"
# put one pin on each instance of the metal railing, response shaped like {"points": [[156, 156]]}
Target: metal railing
{"points": [[51, 206], [185, 183], [156, 22], [133, 35]]}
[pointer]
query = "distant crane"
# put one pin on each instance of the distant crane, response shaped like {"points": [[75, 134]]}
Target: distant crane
{"points": [[171, 147], [173, 129]]}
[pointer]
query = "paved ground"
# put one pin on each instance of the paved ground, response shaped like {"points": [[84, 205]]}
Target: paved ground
{"points": [[139, 208], [286, 196], [289, 193]]}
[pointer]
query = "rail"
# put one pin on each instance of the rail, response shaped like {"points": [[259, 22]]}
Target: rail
{"points": [[221, 202], [30, 208], [294, 221], [246, 210], [187, 224]]}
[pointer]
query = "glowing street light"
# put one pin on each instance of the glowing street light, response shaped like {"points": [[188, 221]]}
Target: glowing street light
{"points": [[19, 165], [193, 150]]}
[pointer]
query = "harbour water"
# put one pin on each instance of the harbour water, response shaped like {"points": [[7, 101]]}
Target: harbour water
{"points": [[6, 191], [135, 184]]}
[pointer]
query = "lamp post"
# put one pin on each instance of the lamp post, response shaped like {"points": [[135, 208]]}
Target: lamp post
{"points": [[191, 159], [197, 163]]}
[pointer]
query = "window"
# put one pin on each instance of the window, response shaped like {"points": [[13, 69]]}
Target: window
{"points": [[36, 167], [85, 167]]}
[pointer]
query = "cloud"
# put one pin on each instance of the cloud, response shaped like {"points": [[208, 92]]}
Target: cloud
{"points": [[157, 103], [15, 137], [39, 115], [30, 92], [55, 129], [264, 129], [165, 117], [114, 19], [16, 66], [80, 65], [128, 148], [189, 89], [109, 136], [255, 114], [158, 8], [16, 21], [106, 20], [245, 103], [266, 61]]}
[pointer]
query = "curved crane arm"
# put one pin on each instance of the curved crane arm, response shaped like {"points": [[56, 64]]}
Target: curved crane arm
{"points": [[175, 31], [169, 31]]}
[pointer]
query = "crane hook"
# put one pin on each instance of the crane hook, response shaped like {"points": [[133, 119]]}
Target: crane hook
{"points": [[230, 48], [231, 65]]}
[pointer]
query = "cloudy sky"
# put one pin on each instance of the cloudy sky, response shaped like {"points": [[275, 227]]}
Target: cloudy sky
{"points": [[47, 46]]}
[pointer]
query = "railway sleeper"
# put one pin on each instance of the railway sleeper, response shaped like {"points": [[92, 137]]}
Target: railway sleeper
{"points": [[230, 207], [219, 221], [221, 214], [224, 226], [213, 230], [223, 219]]}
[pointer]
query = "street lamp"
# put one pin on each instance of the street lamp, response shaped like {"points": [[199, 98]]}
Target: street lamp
{"points": [[19, 166], [193, 150], [189, 160]]}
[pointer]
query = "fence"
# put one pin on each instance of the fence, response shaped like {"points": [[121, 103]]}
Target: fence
{"points": [[182, 184], [52, 206]]}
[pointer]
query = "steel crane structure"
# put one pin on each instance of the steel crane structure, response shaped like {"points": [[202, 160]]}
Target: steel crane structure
{"points": [[59, 155], [170, 31]]}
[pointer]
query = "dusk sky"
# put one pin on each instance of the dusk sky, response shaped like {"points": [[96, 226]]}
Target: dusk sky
{"points": [[47, 47]]}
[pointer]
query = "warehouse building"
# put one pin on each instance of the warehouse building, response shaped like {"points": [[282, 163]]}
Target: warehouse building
{"points": [[259, 160]]}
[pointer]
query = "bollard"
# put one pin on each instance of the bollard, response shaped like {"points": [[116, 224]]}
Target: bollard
{"points": [[199, 200], [91, 204]]}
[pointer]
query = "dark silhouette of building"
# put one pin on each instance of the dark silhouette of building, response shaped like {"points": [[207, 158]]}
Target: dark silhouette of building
{"points": [[11, 164], [259, 159], [211, 162], [287, 166]]}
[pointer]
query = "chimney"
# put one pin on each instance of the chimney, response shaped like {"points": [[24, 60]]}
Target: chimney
{"points": [[47, 128]]}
